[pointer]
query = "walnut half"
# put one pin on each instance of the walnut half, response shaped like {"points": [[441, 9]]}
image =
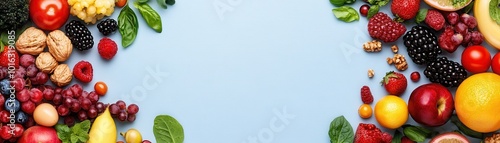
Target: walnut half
{"points": [[62, 75], [32, 41], [59, 45]]}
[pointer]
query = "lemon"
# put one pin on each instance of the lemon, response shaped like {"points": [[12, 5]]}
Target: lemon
{"points": [[391, 112], [476, 102]]}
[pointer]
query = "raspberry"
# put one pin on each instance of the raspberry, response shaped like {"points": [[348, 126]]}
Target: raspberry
{"points": [[83, 71], [382, 27], [107, 48], [445, 40], [434, 19], [366, 95]]}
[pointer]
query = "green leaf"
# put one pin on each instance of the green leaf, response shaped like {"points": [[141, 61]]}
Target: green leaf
{"points": [[128, 26], [167, 129], [378, 2], [76, 134], [170, 2], [162, 3], [346, 14], [422, 13], [494, 11], [341, 131], [63, 132], [5, 38], [464, 129], [338, 2], [397, 137], [414, 133], [151, 17], [372, 11]]}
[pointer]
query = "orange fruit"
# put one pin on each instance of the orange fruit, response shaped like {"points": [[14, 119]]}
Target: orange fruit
{"points": [[476, 102], [391, 112], [365, 111], [447, 5]]}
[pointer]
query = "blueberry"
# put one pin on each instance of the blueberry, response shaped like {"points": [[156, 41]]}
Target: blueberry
{"points": [[5, 87], [21, 117], [12, 105]]}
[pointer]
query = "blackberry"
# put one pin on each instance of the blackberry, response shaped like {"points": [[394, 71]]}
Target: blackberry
{"points": [[446, 72], [79, 34], [422, 45], [107, 26]]}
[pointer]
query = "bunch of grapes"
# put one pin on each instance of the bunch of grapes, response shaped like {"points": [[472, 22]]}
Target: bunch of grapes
{"points": [[122, 112]]}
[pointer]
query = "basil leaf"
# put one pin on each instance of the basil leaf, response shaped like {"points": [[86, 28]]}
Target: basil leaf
{"points": [[346, 14], [152, 18], [162, 3], [142, 1], [341, 131], [128, 26], [170, 2], [338, 2], [378, 2], [372, 11], [397, 137], [350, 1], [167, 129], [422, 13]]}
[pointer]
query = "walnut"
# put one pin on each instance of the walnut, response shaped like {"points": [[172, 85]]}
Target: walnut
{"points": [[45, 62], [371, 73], [399, 62], [395, 48], [32, 41], [62, 75], [372, 46], [495, 138], [59, 45]]}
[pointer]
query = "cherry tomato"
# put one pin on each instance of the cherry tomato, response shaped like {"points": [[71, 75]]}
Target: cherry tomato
{"points": [[100, 88], [49, 14], [120, 3], [495, 63], [476, 59]]}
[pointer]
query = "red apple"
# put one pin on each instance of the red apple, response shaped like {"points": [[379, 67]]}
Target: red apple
{"points": [[431, 104], [39, 134]]}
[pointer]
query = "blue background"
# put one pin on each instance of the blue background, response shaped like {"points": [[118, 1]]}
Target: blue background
{"points": [[229, 77]]}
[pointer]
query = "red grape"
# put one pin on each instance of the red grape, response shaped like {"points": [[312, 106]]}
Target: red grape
{"points": [[100, 107], [122, 116], [77, 90], [461, 28], [82, 115], [40, 78], [62, 110], [57, 100], [121, 104], [85, 103], [67, 101], [3, 72], [69, 120], [132, 109], [48, 94], [28, 107], [36, 95], [131, 117], [452, 18], [93, 97], [85, 94], [26, 60], [67, 93], [18, 83], [31, 70], [20, 72], [58, 90], [114, 109], [18, 130], [23, 95], [92, 112], [75, 106]]}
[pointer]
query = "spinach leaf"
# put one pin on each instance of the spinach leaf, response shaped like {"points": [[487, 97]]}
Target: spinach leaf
{"points": [[397, 137], [341, 131], [346, 13], [338, 2], [167, 129], [152, 18], [128, 26]]}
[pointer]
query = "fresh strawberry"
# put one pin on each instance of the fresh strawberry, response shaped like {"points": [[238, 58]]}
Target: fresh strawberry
{"points": [[405, 9], [369, 133], [9, 56], [394, 83], [434, 19], [382, 27]]}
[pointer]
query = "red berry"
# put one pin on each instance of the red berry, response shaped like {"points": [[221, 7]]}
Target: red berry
{"points": [[18, 130], [445, 40], [107, 48], [394, 83], [83, 71], [5, 132], [381, 26], [405, 9], [363, 10], [366, 95], [434, 19], [415, 76]]}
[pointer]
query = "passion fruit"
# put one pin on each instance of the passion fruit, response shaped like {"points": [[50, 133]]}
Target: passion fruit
{"points": [[448, 5], [450, 137]]}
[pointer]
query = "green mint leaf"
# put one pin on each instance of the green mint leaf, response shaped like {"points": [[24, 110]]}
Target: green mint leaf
{"points": [[63, 132], [494, 11], [74, 139], [338, 2], [422, 13], [397, 137], [346, 14], [372, 11], [341, 131], [85, 126], [167, 129]]}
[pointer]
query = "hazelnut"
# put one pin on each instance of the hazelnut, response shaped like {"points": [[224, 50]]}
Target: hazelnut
{"points": [[45, 62], [32, 41], [62, 75], [59, 45]]}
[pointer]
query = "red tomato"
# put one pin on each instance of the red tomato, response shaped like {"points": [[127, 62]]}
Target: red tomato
{"points": [[476, 59], [495, 63], [100, 88], [49, 14]]}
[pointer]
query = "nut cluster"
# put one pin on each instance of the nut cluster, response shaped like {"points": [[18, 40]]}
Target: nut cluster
{"points": [[399, 62], [495, 138], [372, 46], [33, 41]]}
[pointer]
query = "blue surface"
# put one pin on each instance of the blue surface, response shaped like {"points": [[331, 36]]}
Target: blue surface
{"points": [[265, 70]]}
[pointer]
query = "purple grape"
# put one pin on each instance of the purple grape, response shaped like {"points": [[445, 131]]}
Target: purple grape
{"points": [[26, 60], [452, 18], [121, 104], [31, 71], [20, 72], [62, 110], [85, 103], [3, 72], [57, 100], [476, 38], [75, 106], [70, 120], [469, 20], [82, 115], [122, 116], [114, 109], [132, 109], [18, 83], [67, 101], [77, 90], [100, 107], [48, 94], [131, 117], [461, 28], [92, 112]]}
